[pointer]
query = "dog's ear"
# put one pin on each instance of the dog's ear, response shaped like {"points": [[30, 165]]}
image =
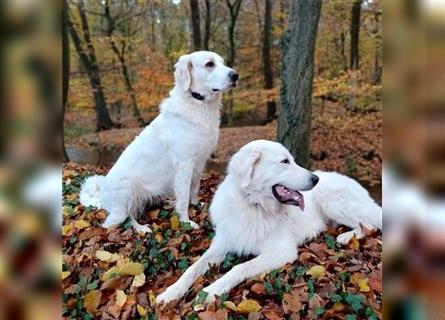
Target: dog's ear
{"points": [[244, 164], [183, 76]]}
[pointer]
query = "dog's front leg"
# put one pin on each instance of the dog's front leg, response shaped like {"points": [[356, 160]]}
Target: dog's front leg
{"points": [[214, 255], [196, 179], [183, 180], [265, 262]]}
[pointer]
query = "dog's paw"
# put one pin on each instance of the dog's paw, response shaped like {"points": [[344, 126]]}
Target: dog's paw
{"points": [[168, 296]]}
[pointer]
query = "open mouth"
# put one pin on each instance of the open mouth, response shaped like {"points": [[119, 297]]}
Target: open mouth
{"points": [[288, 196]]}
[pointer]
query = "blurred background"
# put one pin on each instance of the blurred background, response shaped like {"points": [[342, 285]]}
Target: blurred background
{"points": [[134, 60]]}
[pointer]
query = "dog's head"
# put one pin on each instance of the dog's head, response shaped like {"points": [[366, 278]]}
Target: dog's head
{"points": [[267, 171], [204, 72]]}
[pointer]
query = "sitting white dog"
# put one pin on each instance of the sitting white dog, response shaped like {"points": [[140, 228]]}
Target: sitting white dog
{"points": [[170, 154], [264, 207]]}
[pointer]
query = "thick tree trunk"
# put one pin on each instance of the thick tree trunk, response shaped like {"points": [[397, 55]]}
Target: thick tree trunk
{"points": [[267, 61], [89, 62], [196, 25], [355, 34], [207, 25], [294, 120]]}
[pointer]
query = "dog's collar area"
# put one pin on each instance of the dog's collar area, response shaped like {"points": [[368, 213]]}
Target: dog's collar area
{"points": [[197, 96]]}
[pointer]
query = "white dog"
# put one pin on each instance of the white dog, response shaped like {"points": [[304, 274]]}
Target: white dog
{"points": [[170, 154], [264, 207]]}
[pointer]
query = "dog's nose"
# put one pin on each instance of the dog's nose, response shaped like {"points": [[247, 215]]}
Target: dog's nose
{"points": [[314, 179], [233, 76]]}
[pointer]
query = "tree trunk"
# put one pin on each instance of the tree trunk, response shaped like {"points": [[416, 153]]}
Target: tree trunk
{"points": [[234, 11], [153, 24], [207, 25], [377, 51], [355, 34], [297, 72], [65, 72], [196, 25], [267, 61], [120, 54], [89, 62]]}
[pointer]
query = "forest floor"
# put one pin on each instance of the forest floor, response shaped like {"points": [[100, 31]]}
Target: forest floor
{"points": [[342, 142], [116, 273]]}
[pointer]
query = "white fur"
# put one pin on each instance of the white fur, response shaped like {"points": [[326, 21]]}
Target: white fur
{"points": [[249, 220], [170, 154]]}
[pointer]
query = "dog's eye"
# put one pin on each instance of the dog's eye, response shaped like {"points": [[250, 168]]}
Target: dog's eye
{"points": [[210, 64], [286, 161]]}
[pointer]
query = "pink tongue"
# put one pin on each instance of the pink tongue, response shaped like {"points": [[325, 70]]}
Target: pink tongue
{"points": [[289, 194]]}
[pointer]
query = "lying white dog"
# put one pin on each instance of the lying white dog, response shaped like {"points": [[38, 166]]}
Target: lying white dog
{"points": [[264, 207], [170, 154]]}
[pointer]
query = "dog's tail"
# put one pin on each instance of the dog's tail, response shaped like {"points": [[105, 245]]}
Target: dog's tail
{"points": [[90, 191]]}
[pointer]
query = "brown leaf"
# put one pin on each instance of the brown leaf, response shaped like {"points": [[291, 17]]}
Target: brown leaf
{"points": [[291, 303], [258, 288], [92, 300]]}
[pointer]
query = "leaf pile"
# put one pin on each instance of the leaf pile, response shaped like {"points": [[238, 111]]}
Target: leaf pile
{"points": [[117, 273]]}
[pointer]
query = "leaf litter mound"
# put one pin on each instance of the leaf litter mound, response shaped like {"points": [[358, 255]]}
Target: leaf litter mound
{"points": [[117, 273]]}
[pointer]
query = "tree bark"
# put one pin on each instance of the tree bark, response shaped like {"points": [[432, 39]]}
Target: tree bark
{"points": [[153, 24], [207, 24], [267, 61], [65, 72], [120, 54], [355, 34], [234, 9], [89, 62], [297, 72], [196, 25]]}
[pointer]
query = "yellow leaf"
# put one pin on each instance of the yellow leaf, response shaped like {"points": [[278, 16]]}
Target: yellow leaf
{"points": [[317, 272], [106, 256], [65, 274], [159, 237], [354, 244], [338, 306], [81, 224], [152, 298], [139, 280], [67, 228], [141, 310], [121, 297], [231, 306], [131, 269], [92, 300], [363, 285], [174, 222], [110, 273], [248, 306]]}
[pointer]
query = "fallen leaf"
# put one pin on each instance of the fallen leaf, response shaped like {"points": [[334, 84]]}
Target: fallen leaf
{"points": [[258, 288], [121, 297], [92, 300], [363, 285], [317, 272], [174, 222], [67, 228], [141, 310], [131, 269], [65, 274], [291, 303], [106, 256], [248, 306], [354, 244], [139, 280], [231, 306], [151, 298], [81, 224], [207, 315], [338, 306], [110, 273]]}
